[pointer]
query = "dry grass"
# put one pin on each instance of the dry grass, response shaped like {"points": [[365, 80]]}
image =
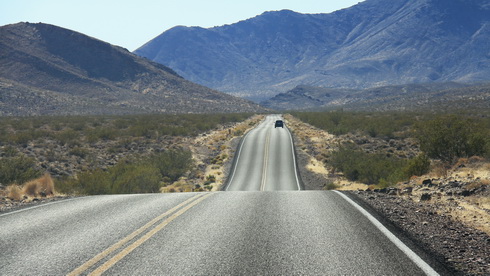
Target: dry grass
{"points": [[43, 186], [14, 192]]}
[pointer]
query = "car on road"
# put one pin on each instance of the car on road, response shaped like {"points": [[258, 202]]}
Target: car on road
{"points": [[279, 123]]}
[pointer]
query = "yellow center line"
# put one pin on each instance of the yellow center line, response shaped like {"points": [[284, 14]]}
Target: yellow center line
{"points": [[147, 236], [266, 160], [131, 236]]}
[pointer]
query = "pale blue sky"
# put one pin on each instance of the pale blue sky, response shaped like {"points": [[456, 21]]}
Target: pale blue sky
{"points": [[130, 24]]}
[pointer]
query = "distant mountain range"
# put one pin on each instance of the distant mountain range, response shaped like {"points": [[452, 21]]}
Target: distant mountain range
{"points": [[372, 44], [429, 97], [48, 70]]}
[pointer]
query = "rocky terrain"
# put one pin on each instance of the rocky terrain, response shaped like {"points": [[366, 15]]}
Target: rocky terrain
{"points": [[372, 44], [436, 97], [445, 213], [48, 70], [212, 152]]}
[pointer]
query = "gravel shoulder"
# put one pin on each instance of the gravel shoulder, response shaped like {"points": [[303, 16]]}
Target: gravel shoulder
{"points": [[448, 217]]}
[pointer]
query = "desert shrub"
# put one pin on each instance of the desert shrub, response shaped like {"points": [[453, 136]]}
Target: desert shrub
{"points": [[10, 151], [145, 175], [14, 192], [210, 179], [417, 166], [80, 152], [379, 169], [68, 137], [43, 186], [19, 169], [330, 185], [130, 178], [30, 188], [382, 125], [101, 133], [172, 163], [19, 138], [368, 168], [451, 137], [96, 182]]}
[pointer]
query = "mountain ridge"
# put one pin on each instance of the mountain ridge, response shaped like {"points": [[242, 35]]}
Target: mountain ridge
{"points": [[439, 97], [374, 43], [83, 75]]}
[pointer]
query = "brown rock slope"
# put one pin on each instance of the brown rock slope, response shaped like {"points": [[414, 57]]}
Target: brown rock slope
{"points": [[47, 70]]}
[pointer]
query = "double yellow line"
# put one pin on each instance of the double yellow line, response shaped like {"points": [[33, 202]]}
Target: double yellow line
{"points": [[170, 214]]}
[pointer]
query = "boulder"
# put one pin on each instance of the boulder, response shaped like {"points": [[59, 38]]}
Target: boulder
{"points": [[425, 197]]}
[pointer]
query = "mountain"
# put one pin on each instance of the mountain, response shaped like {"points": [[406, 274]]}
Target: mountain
{"points": [[412, 97], [374, 43], [46, 70]]}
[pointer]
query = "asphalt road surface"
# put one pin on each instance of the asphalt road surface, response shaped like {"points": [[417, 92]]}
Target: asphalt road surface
{"points": [[265, 160], [221, 233]]}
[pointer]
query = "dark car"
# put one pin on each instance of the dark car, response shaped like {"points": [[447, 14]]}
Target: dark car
{"points": [[279, 123]]}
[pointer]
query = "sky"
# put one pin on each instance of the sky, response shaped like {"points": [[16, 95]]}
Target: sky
{"points": [[130, 24]]}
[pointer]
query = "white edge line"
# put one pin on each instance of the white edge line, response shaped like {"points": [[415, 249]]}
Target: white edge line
{"points": [[38, 206], [294, 159], [237, 159], [405, 249]]}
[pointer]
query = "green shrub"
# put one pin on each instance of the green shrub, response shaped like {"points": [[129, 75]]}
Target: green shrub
{"points": [[96, 182], [134, 178], [211, 178], [449, 138], [330, 185], [101, 133], [68, 137], [368, 168], [131, 176], [382, 125], [80, 152], [417, 166], [19, 169], [173, 164]]}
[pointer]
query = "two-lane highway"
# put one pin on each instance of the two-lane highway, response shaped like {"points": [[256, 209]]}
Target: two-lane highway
{"points": [[222, 233], [244, 232], [265, 160]]}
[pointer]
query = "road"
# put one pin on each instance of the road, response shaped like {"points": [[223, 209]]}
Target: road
{"points": [[220, 233], [265, 160]]}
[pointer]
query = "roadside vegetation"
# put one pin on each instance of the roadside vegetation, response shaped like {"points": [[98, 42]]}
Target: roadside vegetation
{"points": [[100, 154], [144, 175], [442, 139], [19, 131]]}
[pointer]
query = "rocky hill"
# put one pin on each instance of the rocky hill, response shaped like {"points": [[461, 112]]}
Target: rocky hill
{"points": [[375, 43], [46, 70], [412, 97]]}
